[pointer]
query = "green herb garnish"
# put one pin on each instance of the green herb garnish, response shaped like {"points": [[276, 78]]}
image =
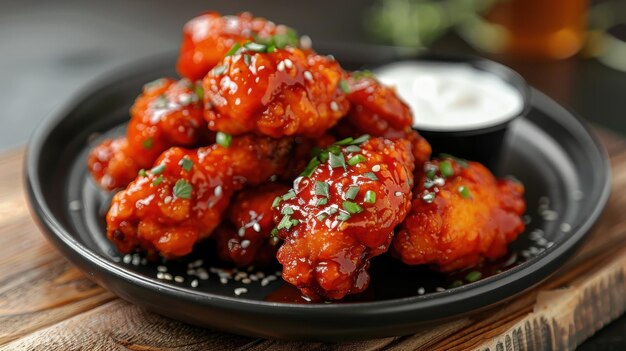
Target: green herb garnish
{"points": [[158, 169], [465, 192], [276, 201], [233, 49], [186, 164], [200, 92], [322, 189], [460, 161], [445, 168], [343, 85], [321, 201], [352, 207], [252, 46], [182, 189], [360, 140], [148, 143], [455, 284], [289, 195], [311, 167], [352, 192], [370, 176], [336, 161], [353, 148], [356, 159], [321, 217], [223, 139], [473, 276], [142, 172], [287, 210], [346, 141], [158, 180], [343, 216], [219, 69], [247, 59], [370, 197]]}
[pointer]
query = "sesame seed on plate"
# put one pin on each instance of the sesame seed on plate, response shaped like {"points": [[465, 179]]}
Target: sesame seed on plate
{"points": [[375, 168], [421, 291], [127, 258], [240, 291], [179, 279], [246, 281], [161, 268], [440, 289], [75, 205], [223, 280], [194, 283], [566, 227]]}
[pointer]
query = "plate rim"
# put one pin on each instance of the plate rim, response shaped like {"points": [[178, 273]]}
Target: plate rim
{"points": [[81, 255]]}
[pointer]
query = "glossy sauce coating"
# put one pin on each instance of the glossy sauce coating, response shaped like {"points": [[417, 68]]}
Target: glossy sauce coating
{"points": [[326, 254], [150, 213], [287, 92], [167, 113], [471, 216], [208, 37], [245, 238]]}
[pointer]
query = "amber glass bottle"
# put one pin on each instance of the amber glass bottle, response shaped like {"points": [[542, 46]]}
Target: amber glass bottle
{"points": [[552, 29]]}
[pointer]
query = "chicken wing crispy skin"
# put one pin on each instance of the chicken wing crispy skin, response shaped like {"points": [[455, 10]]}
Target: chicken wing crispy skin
{"points": [[208, 37], [283, 93], [471, 216], [245, 239], [335, 220], [378, 111], [183, 198], [167, 113]]}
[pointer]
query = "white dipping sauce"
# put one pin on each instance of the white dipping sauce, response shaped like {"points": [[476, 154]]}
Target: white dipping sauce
{"points": [[451, 96]]}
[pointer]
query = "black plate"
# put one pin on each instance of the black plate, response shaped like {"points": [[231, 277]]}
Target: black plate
{"points": [[563, 166]]}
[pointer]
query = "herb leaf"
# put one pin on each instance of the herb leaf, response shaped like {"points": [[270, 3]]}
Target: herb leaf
{"points": [[445, 168], [223, 139], [233, 49], [186, 164], [370, 197], [158, 169], [352, 207], [336, 161], [352, 192], [356, 159], [322, 189], [182, 189], [148, 143]]}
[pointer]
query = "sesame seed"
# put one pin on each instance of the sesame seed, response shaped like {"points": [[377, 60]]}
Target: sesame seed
{"points": [[440, 289], [161, 268], [240, 291], [194, 283], [281, 66], [577, 195], [223, 280], [75, 205], [308, 76], [191, 272], [256, 227], [334, 106], [542, 242], [565, 227], [167, 200], [167, 276], [398, 193], [203, 275], [127, 259], [160, 275], [305, 42], [136, 260], [241, 232], [144, 261], [375, 168], [421, 291], [549, 215], [246, 281], [179, 279], [288, 63], [245, 244], [218, 190], [254, 278]]}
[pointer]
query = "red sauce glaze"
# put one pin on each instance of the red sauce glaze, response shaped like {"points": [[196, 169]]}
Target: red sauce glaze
{"points": [[455, 232], [245, 239], [151, 215], [329, 257], [208, 37], [167, 113], [286, 92]]}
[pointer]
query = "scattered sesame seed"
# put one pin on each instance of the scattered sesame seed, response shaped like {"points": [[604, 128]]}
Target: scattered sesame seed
{"points": [[256, 227], [167, 200], [421, 291], [136, 260], [160, 275], [566, 227], [375, 168], [144, 261], [440, 289], [305, 42], [334, 106], [549, 215], [167, 276], [75, 205], [179, 279], [203, 275], [127, 258], [577, 195], [281, 66], [288, 63], [308, 76], [161, 269], [246, 281], [542, 242], [245, 244], [398, 193], [223, 280], [191, 272], [241, 232], [240, 291], [194, 283], [549, 244], [218, 190]]}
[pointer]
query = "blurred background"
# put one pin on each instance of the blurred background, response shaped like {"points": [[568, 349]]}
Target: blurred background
{"points": [[573, 50]]}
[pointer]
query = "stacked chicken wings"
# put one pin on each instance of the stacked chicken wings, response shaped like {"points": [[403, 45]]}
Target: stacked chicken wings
{"points": [[277, 153]]}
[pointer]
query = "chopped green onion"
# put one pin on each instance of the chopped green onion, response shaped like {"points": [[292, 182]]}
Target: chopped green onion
{"points": [[233, 49], [321, 201], [142, 172], [352, 192], [285, 222], [158, 169], [343, 216], [345, 141], [445, 168], [186, 164], [334, 149], [154, 84], [465, 192], [431, 173], [455, 284], [274, 232], [200, 92], [182, 189], [321, 217], [311, 167], [336, 161], [158, 180], [460, 161], [360, 140], [343, 85], [370, 197], [356, 159], [271, 48], [332, 210], [362, 74], [473, 276], [352, 148], [287, 210], [276, 201], [219, 69], [148, 143], [161, 102], [370, 176], [223, 139], [289, 195], [294, 222], [247, 59], [351, 207], [322, 189], [252, 46]]}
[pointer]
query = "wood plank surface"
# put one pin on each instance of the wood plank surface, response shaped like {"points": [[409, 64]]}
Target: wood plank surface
{"points": [[47, 304]]}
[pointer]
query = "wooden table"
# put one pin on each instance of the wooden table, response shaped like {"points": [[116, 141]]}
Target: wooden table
{"points": [[47, 304]]}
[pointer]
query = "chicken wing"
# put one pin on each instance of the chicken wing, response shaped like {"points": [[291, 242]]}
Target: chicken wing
{"points": [[167, 113], [208, 37], [183, 198], [342, 212], [461, 214], [245, 239], [285, 92]]}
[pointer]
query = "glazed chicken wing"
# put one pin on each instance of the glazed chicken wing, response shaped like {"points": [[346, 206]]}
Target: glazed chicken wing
{"points": [[183, 198], [461, 214], [285, 92], [341, 213], [208, 37], [167, 113], [245, 239]]}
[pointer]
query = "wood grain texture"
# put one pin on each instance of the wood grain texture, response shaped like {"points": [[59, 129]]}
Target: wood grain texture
{"points": [[47, 304]]}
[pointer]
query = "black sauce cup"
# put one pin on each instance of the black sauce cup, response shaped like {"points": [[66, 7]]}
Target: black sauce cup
{"points": [[485, 143]]}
